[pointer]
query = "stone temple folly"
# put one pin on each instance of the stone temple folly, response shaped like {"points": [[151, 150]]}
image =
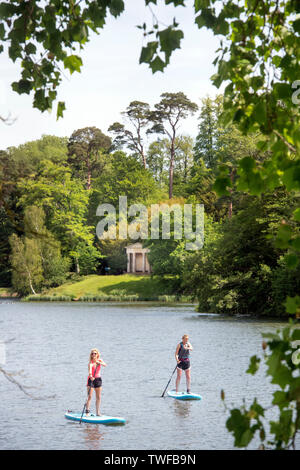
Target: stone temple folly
{"points": [[137, 261]]}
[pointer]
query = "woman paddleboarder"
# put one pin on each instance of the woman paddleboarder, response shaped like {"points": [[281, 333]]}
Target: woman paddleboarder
{"points": [[182, 355], [94, 380]]}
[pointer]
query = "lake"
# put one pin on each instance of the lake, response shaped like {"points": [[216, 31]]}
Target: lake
{"points": [[49, 344]]}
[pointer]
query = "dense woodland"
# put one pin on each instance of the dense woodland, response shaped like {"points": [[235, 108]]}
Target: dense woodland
{"points": [[51, 189]]}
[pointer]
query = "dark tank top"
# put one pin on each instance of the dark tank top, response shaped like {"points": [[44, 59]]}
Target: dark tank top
{"points": [[183, 354]]}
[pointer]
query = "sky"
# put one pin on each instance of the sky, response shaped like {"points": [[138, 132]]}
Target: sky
{"points": [[112, 77]]}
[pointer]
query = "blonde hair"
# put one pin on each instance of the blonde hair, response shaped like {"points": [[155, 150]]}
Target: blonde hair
{"points": [[185, 336], [96, 351]]}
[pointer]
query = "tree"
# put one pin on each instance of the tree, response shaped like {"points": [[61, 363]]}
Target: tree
{"points": [[85, 148], [55, 267], [205, 145], [36, 259], [183, 158], [217, 144], [240, 269], [137, 114], [65, 203], [26, 264], [168, 113], [158, 157], [123, 177]]}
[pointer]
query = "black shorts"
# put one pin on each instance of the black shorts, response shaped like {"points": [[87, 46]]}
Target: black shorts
{"points": [[96, 383], [184, 365]]}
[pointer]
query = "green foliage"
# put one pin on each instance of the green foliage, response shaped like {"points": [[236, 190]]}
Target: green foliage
{"points": [[86, 149], [26, 265], [45, 267], [123, 176], [166, 118], [239, 269], [245, 423], [115, 254], [88, 258], [158, 157], [206, 140], [42, 37]]}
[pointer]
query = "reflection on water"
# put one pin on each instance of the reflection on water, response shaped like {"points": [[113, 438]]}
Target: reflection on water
{"points": [[138, 342], [182, 408], [92, 436]]}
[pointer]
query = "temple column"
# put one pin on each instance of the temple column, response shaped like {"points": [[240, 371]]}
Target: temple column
{"points": [[133, 262], [128, 262], [144, 262]]}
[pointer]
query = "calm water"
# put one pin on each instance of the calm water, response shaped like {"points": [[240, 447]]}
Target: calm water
{"points": [[52, 343]]}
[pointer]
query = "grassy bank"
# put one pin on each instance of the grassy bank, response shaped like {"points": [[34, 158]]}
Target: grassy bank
{"points": [[126, 287], [7, 292]]}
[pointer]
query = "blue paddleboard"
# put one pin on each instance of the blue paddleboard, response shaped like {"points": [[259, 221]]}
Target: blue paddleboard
{"points": [[184, 395], [95, 419]]}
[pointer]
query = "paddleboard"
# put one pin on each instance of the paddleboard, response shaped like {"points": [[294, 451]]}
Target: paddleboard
{"points": [[95, 419], [184, 395]]}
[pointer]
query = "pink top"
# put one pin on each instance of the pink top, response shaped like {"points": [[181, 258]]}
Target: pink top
{"points": [[93, 370]]}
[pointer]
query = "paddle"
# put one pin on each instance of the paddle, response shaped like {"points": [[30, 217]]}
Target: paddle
{"points": [[88, 394], [169, 381]]}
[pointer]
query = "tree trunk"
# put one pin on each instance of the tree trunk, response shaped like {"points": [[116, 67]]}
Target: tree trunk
{"points": [[77, 266], [171, 173], [230, 207], [89, 176], [171, 169], [230, 190], [144, 159], [30, 284]]}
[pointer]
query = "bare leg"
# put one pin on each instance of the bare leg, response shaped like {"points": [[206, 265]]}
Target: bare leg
{"points": [[88, 402], [98, 400], [179, 372], [188, 379]]}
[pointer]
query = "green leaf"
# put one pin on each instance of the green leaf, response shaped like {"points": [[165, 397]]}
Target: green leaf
{"points": [[176, 3], [296, 243], [280, 398], [7, 10], [291, 177], [30, 48], [22, 86], [157, 64], [239, 425], [199, 4], [73, 63], [283, 90], [254, 365], [292, 304], [220, 186], [60, 109], [148, 52], [259, 112], [170, 40], [284, 235], [296, 214], [116, 7], [2, 31], [291, 260], [296, 25], [200, 21], [247, 164], [238, 115]]}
